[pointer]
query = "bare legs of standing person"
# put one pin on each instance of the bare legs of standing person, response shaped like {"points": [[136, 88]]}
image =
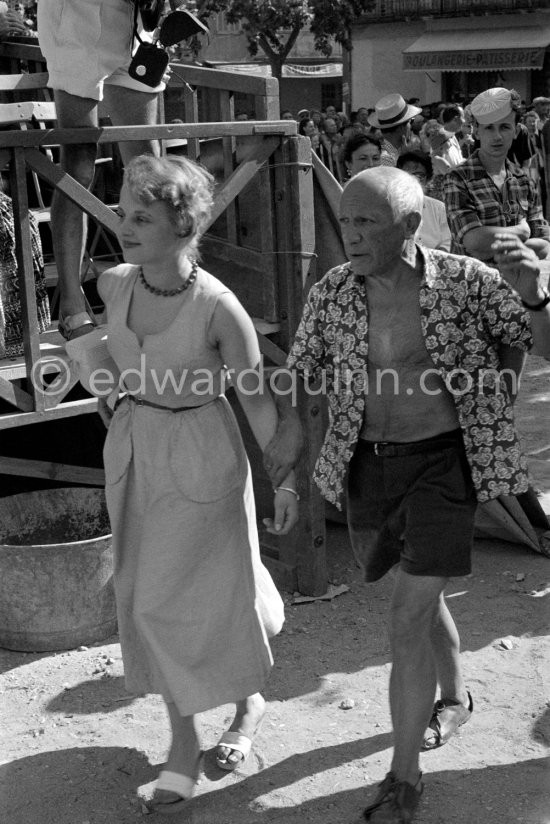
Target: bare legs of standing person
{"points": [[69, 222]]}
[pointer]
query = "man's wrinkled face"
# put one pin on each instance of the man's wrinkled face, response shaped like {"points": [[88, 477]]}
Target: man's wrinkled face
{"points": [[373, 237]]}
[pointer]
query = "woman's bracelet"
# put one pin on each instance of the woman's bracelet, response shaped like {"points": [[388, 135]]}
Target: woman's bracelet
{"points": [[286, 489]]}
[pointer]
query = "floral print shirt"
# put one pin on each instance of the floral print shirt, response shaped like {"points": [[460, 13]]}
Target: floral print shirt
{"points": [[467, 312]]}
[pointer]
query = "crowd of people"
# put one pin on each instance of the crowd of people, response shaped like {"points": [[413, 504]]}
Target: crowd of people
{"points": [[444, 131]]}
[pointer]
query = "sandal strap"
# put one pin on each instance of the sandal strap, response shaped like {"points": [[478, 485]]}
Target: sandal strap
{"points": [[69, 324], [400, 795], [236, 741], [461, 715]]}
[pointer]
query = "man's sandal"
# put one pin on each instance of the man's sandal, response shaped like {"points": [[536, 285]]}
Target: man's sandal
{"points": [[181, 786], [396, 801], [74, 326], [237, 743], [447, 716]]}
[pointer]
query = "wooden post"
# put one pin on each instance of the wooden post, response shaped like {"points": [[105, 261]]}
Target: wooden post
{"points": [[296, 247]]}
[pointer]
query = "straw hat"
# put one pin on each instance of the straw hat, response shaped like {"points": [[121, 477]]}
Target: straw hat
{"points": [[391, 111]]}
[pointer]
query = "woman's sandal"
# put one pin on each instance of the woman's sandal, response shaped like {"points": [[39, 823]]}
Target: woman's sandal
{"points": [[181, 786], [447, 716], [236, 742], [74, 326]]}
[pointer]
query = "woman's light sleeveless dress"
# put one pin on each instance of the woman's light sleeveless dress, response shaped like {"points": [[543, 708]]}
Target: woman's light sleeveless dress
{"points": [[195, 604]]}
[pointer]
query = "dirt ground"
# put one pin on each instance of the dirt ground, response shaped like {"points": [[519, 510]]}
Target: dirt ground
{"points": [[75, 745]]}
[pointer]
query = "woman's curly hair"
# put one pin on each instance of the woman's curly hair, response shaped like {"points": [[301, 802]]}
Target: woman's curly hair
{"points": [[185, 187]]}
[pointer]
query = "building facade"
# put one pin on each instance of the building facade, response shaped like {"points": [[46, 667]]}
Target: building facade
{"points": [[309, 79], [450, 50]]}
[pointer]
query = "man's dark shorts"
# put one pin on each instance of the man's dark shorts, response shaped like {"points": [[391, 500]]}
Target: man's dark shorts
{"points": [[416, 510]]}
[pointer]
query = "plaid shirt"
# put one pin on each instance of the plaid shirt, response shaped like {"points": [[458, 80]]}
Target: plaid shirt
{"points": [[467, 312], [473, 201]]}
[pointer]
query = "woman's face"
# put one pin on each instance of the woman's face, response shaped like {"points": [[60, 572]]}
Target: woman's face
{"points": [[531, 122], [418, 170], [310, 129], [146, 232], [365, 157]]}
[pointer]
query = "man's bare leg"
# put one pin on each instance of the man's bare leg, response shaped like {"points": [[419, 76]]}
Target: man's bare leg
{"points": [[69, 222], [413, 677], [128, 107], [446, 651]]}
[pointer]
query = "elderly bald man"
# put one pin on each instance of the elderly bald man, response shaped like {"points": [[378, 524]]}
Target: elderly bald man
{"points": [[406, 340]]}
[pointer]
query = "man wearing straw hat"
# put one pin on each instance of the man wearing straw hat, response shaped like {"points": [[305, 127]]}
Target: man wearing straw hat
{"points": [[392, 116]]}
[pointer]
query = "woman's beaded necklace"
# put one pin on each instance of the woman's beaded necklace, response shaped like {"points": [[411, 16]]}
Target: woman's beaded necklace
{"points": [[169, 293]]}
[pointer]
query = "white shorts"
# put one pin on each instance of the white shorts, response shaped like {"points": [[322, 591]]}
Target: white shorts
{"points": [[88, 43]]}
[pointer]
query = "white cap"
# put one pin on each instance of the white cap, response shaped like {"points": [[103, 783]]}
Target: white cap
{"points": [[492, 105]]}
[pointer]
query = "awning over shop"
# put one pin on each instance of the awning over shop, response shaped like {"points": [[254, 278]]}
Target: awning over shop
{"points": [[478, 51]]}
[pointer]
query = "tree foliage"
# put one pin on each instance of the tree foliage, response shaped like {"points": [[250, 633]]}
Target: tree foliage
{"points": [[274, 25]]}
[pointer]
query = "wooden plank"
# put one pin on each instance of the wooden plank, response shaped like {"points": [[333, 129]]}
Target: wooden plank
{"points": [[68, 473], [13, 113], [24, 81], [265, 198], [227, 111], [53, 398], [271, 350], [11, 420], [191, 103], [330, 187], [22, 51], [242, 175], [115, 134], [229, 253], [306, 544], [73, 190], [13, 394], [328, 239], [51, 353], [208, 78]]}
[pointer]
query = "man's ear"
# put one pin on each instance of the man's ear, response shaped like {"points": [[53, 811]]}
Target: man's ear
{"points": [[412, 222]]}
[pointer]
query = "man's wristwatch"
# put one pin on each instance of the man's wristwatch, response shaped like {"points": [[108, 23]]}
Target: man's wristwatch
{"points": [[536, 307]]}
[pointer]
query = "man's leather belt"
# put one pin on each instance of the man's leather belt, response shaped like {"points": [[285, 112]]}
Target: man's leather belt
{"points": [[386, 449]]}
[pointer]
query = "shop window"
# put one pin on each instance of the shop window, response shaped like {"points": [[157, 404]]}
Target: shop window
{"points": [[331, 95]]}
